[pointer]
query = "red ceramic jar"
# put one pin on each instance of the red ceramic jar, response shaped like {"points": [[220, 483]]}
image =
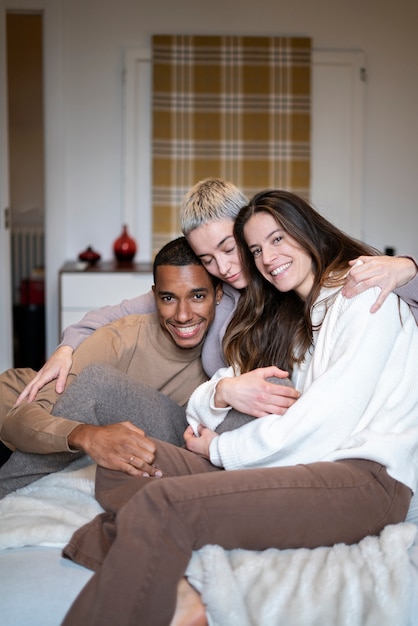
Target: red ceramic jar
{"points": [[124, 247]]}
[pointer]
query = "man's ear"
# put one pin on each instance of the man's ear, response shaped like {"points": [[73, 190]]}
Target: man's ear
{"points": [[153, 289], [218, 293]]}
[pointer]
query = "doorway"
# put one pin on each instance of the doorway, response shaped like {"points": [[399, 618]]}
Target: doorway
{"points": [[24, 36]]}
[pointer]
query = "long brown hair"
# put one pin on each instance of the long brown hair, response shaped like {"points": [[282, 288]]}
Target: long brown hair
{"points": [[274, 328]]}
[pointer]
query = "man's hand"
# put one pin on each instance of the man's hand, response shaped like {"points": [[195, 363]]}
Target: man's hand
{"points": [[199, 445], [57, 366], [121, 446], [252, 394], [386, 272]]}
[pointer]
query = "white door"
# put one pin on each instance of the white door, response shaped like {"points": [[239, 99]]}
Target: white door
{"points": [[338, 94], [6, 342]]}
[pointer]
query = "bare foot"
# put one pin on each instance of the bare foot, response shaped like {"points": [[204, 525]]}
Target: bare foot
{"points": [[190, 610]]}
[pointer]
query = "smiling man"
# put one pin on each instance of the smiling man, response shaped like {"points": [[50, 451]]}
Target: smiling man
{"points": [[141, 368], [185, 304]]}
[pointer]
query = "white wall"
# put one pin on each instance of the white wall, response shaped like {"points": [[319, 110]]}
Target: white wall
{"points": [[85, 45]]}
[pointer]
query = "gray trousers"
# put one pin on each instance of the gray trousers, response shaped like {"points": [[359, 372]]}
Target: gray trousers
{"points": [[102, 395]]}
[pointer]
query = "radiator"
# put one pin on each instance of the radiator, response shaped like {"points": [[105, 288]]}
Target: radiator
{"points": [[27, 244]]}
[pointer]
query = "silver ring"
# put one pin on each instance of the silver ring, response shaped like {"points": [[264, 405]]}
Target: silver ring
{"points": [[130, 460]]}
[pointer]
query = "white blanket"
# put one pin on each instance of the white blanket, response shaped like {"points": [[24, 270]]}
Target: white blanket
{"points": [[366, 584], [47, 512], [371, 583]]}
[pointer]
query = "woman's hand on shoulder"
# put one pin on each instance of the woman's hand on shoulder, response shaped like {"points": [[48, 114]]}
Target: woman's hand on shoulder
{"points": [[386, 272], [57, 366], [252, 393]]}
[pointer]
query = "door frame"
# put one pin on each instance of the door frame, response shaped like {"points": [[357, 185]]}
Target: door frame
{"points": [[6, 326], [55, 207]]}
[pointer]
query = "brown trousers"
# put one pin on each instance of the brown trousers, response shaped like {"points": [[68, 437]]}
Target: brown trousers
{"points": [[140, 547]]}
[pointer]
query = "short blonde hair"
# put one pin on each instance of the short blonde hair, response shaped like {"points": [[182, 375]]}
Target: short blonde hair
{"points": [[211, 199]]}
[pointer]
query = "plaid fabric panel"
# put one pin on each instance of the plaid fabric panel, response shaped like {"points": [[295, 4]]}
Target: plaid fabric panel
{"points": [[230, 107]]}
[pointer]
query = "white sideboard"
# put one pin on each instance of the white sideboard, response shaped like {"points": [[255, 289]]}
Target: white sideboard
{"points": [[85, 287]]}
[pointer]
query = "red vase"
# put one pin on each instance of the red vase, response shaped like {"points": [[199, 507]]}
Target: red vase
{"points": [[90, 256], [124, 247]]}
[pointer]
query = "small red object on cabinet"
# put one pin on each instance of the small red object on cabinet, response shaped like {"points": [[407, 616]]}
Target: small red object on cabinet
{"points": [[90, 256], [124, 247]]}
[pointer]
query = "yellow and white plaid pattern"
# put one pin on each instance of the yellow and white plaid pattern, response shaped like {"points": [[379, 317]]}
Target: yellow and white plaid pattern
{"points": [[231, 107]]}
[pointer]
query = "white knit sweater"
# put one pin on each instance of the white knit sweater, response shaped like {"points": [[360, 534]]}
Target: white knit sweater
{"points": [[359, 396]]}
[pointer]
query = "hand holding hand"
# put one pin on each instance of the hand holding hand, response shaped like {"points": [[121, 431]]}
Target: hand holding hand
{"points": [[57, 366], [121, 446], [386, 272], [253, 394]]}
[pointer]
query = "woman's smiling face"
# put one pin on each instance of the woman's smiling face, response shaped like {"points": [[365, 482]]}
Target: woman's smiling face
{"points": [[278, 256], [215, 245]]}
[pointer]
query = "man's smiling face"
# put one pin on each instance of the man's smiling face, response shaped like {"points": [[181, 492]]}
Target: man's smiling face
{"points": [[186, 300]]}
